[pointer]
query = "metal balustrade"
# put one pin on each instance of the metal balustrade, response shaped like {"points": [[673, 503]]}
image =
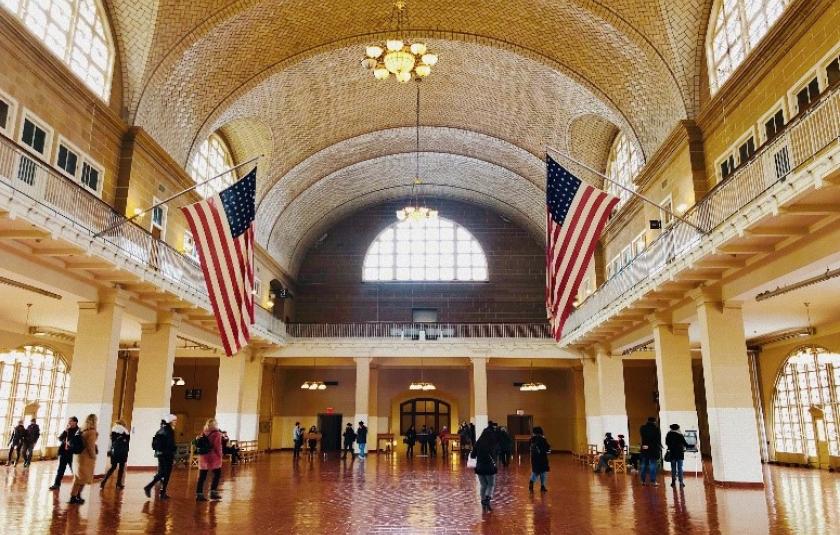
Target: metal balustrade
{"points": [[801, 141], [24, 178], [418, 331]]}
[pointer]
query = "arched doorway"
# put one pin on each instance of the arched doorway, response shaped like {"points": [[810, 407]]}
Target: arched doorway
{"points": [[425, 411]]}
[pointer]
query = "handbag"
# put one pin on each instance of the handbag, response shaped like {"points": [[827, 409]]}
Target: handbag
{"points": [[668, 456], [472, 462]]}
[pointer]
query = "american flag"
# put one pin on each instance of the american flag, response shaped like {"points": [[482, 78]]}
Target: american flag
{"points": [[575, 217], [223, 229]]}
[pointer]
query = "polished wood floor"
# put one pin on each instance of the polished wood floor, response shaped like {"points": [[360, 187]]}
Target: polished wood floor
{"points": [[393, 495]]}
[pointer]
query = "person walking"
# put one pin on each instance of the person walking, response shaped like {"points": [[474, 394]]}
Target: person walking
{"points": [[17, 442], [651, 450], [297, 440], [118, 452], [65, 452], [676, 444], [465, 443], [505, 446], [423, 437], [472, 434], [410, 439], [432, 442], [84, 450], [211, 460], [33, 433], [485, 467], [165, 449], [312, 441], [444, 440], [349, 439], [361, 440], [539, 459]]}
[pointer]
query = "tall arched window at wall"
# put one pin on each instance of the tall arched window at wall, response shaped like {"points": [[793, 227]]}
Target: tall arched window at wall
{"points": [[622, 165], [211, 159], [77, 32], [809, 378], [34, 381], [735, 28], [434, 250]]}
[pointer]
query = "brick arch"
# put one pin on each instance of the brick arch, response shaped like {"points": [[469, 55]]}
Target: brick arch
{"points": [[590, 139]]}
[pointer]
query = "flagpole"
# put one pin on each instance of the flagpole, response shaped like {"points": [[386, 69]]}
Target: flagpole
{"points": [[118, 224], [625, 188]]}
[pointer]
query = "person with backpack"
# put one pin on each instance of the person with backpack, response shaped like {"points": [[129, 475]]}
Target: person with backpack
{"points": [[505, 446], [539, 447], [65, 452], [349, 439], [118, 452], [17, 442], [84, 453], [208, 446], [165, 449], [651, 450], [33, 433], [483, 454], [612, 449], [361, 439], [297, 440]]}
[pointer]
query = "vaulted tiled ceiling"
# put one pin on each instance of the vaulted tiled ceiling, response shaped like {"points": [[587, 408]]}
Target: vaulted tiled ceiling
{"points": [[282, 79]]}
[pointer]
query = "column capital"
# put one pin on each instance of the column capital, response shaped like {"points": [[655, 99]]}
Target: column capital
{"points": [[704, 295], [363, 360], [164, 319], [602, 349], [113, 296], [660, 319], [476, 360]]}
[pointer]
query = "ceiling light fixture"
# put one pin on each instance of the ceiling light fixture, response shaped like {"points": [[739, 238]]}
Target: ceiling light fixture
{"points": [[178, 381], [313, 385], [414, 212], [398, 55], [421, 385], [531, 386]]}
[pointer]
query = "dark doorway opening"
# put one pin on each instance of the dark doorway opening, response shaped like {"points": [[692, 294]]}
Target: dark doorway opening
{"points": [[519, 424], [330, 427]]}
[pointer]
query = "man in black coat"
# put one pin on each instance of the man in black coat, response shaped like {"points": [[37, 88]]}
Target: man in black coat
{"points": [[165, 449], [349, 439], [33, 433], [651, 450], [17, 442], [65, 452]]}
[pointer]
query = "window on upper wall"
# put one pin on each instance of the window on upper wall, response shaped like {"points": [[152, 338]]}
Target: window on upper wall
{"points": [[432, 250], [639, 244], [76, 31], [727, 166], [805, 95], [67, 159], [774, 123], [7, 113], [35, 134], [622, 165], [212, 159], [736, 27], [832, 71], [189, 246], [158, 219], [746, 150], [91, 177]]}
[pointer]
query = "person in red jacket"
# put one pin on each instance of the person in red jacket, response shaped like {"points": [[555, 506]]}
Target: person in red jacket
{"points": [[212, 460]]}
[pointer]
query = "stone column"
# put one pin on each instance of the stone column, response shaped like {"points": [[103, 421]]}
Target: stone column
{"points": [[611, 389], [249, 404], [228, 397], [736, 457], [363, 399], [93, 371], [373, 403], [153, 386], [479, 391], [592, 402], [674, 376]]}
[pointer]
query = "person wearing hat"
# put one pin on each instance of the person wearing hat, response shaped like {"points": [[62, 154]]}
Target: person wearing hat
{"points": [[361, 439], [676, 444], [611, 451], [651, 450], [165, 449], [349, 439]]}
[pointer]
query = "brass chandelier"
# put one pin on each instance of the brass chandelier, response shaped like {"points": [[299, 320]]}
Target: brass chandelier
{"points": [[414, 212], [398, 55], [421, 385], [531, 386], [313, 385]]}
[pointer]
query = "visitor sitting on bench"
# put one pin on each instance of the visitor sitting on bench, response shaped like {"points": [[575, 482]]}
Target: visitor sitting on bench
{"points": [[611, 451], [233, 451]]}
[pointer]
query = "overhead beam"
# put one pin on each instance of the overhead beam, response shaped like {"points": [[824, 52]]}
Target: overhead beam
{"points": [[23, 234], [57, 251], [777, 232], [746, 248], [811, 209], [720, 263], [89, 265]]}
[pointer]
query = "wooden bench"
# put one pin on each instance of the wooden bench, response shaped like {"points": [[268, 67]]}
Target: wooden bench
{"points": [[248, 450], [619, 464]]}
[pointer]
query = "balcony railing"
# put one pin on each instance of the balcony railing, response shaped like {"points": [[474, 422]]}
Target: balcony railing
{"points": [[418, 331], [801, 140]]}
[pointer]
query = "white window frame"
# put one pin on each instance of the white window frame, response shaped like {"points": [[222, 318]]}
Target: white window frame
{"points": [[781, 104], [43, 125], [257, 289], [666, 207], [95, 165], [627, 254], [725, 156], [164, 210], [736, 147], [79, 158], [643, 238], [822, 67], [8, 130], [793, 102], [192, 251]]}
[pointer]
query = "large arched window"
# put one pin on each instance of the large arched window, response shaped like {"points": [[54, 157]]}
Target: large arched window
{"points": [[736, 28], [77, 32], [433, 250], [433, 413], [211, 159], [34, 382], [810, 378], [622, 165]]}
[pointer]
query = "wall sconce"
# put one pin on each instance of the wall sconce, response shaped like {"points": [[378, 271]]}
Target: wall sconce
{"points": [[178, 381]]}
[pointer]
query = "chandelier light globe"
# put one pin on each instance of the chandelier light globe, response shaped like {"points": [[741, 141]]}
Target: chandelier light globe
{"points": [[381, 73], [373, 51], [393, 45], [403, 76], [369, 63], [423, 70], [401, 215], [542, 387], [305, 385], [429, 59], [429, 386], [313, 386], [322, 386], [400, 61], [418, 49]]}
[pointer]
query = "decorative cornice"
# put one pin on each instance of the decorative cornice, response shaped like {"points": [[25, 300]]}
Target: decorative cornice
{"points": [[794, 23]]}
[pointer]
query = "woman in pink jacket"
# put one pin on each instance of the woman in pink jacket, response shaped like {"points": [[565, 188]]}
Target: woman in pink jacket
{"points": [[211, 460]]}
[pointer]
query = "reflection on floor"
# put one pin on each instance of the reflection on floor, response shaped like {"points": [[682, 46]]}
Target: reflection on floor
{"points": [[392, 495]]}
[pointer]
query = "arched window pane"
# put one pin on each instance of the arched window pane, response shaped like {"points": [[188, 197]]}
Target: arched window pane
{"points": [[33, 385], [211, 159], [622, 165], [738, 27], [433, 250], [806, 381], [76, 32]]}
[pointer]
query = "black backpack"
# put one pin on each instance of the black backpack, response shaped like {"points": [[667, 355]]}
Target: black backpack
{"points": [[157, 441], [202, 445], [77, 443]]}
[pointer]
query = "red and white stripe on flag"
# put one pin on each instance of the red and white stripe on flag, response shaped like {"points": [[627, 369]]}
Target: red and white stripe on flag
{"points": [[228, 266], [570, 242]]}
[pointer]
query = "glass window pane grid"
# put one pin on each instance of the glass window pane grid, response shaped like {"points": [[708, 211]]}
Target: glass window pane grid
{"points": [[210, 160]]}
